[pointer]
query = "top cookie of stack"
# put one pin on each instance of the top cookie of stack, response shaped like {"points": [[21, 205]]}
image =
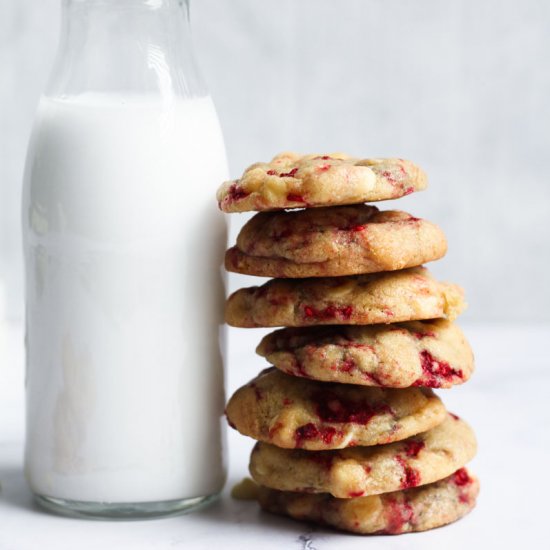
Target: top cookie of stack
{"points": [[298, 181]]}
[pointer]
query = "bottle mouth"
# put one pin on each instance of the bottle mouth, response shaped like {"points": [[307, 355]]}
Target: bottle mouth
{"points": [[133, 4], [126, 46]]}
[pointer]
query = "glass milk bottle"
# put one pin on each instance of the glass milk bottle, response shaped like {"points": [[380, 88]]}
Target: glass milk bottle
{"points": [[123, 244]]}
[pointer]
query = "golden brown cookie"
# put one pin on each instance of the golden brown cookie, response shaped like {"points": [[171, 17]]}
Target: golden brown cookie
{"points": [[363, 471], [419, 509], [328, 242], [295, 413], [433, 354], [298, 181], [406, 295]]}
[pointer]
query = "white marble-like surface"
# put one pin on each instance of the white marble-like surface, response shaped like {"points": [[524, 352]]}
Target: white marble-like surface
{"points": [[506, 402]]}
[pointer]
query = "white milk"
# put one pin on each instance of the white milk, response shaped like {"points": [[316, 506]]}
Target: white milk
{"points": [[123, 244]]}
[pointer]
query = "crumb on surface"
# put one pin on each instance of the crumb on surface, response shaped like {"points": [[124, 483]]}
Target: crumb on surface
{"points": [[246, 489]]}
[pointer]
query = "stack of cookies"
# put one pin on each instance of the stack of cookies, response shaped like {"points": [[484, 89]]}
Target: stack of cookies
{"points": [[349, 431]]}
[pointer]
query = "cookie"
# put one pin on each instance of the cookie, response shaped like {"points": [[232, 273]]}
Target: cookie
{"points": [[363, 471], [342, 240], [293, 413], [297, 181], [433, 354], [419, 509], [405, 295]]}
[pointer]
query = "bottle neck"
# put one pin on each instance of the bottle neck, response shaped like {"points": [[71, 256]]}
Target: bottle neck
{"points": [[125, 47]]}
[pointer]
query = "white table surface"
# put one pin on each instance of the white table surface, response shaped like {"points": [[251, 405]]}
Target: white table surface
{"points": [[507, 402]]}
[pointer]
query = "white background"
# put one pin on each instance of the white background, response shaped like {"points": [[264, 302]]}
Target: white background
{"points": [[462, 87]]}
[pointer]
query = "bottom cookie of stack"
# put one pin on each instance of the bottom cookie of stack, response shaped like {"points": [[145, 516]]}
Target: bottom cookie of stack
{"points": [[417, 509], [415, 484]]}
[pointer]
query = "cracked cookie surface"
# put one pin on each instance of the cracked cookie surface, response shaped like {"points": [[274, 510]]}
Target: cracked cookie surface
{"points": [[290, 180], [405, 295], [362, 471], [344, 240], [419, 509], [293, 413], [432, 353]]}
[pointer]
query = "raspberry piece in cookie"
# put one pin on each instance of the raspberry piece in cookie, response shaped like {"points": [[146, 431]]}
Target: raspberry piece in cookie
{"points": [[293, 413], [344, 240], [433, 354], [419, 509], [405, 295], [362, 471], [297, 181]]}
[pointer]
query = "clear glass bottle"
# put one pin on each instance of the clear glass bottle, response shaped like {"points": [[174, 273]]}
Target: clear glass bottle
{"points": [[124, 294]]}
